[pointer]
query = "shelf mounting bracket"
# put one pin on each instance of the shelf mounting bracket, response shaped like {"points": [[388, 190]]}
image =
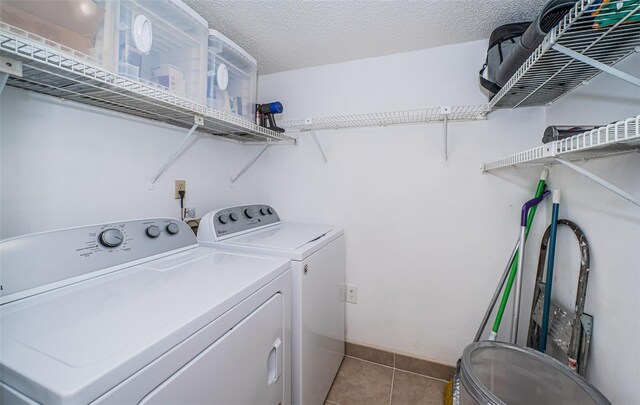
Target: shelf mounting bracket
{"points": [[319, 145], [8, 67], [445, 111], [600, 181], [250, 163], [598, 65], [198, 121], [3, 80]]}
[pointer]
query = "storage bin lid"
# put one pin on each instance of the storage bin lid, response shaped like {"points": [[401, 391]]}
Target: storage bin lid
{"points": [[216, 38], [191, 12], [502, 373]]}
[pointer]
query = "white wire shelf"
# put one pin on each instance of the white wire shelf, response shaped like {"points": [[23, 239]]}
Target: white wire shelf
{"points": [[48, 69], [549, 74], [426, 115], [612, 139]]}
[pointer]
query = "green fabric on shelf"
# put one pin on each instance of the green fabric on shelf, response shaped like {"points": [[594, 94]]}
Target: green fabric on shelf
{"points": [[611, 12]]}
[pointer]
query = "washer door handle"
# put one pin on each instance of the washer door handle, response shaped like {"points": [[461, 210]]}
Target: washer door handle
{"points": [[273, 363]]}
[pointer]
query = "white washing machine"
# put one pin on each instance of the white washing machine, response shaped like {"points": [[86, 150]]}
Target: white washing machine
{"points": [[137, 312], [318, 267]]}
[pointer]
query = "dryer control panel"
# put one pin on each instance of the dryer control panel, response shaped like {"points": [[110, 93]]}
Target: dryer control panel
{"points": [[233, 221], [40, 262]]}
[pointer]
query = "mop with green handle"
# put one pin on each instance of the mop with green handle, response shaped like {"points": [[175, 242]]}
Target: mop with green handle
{"points": [[513, 268], [509, 270]]}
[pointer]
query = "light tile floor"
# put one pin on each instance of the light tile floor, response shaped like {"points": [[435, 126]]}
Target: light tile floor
{"points": [[360, 382]]}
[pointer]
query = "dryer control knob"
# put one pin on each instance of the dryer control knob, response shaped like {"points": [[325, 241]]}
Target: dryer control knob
{"points": [[111, 237], [153, 231], [270, 210], [263, 211], [173, 228], [249, 213], [223, 219], [233, 216]]}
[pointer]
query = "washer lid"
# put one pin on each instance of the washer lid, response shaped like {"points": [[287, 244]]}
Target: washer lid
{"points": [[73, 344], [501, 373], [286, 236]]}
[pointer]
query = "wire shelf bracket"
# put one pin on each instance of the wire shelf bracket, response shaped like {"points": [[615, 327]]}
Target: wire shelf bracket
{"points": [[604, 183], [198, 122], [445, 111], [319, 145], [8, 67], [598, 65], [249, 164]]}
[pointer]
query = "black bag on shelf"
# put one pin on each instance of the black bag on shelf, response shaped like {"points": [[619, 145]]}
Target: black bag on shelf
{"points": [[558, 132], [552, 13], [503, 39]]}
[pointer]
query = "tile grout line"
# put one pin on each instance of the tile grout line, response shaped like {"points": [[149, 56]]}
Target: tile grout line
{"points": [[369, 361], [422, 375], [393, 376], [394, 368]]}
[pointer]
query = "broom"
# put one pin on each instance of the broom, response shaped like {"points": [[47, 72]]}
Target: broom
{"points": [[510, 271]]}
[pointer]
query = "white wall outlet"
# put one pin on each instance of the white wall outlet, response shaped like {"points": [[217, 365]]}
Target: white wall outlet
{"points": [[352, 294], [190, 212], [181, 185]]}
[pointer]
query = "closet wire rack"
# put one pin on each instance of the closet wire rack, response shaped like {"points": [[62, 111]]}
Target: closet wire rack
{"points": [[549, 74], [620, 137], [418, 116], [53, 71]]}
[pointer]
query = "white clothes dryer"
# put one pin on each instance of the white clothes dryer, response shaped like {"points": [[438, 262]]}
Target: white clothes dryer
{"points": [[317, 253], [137, 312]]}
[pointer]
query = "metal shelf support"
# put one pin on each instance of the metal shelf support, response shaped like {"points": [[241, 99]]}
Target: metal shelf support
{"points": [[198, 121], [598, 65], [445, 111], [3, 80], [250, 163], [599, 180], [319, 145]]}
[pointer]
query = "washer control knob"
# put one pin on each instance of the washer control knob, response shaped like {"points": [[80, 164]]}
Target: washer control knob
{"points": [[233, 216], [270, 210], [173, 228], [223, 219], [249, 213], [153, 231], [111, 237], [263, 211]]}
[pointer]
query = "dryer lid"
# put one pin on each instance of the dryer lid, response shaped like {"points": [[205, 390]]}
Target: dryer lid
{"points": [[286, 236]]}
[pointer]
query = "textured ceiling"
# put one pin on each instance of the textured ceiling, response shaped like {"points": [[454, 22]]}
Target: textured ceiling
{"points": [[285, 35]]}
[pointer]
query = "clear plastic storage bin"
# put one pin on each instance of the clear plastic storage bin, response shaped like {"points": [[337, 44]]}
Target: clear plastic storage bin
{"points": [[159, 41], [231, 77], [72, 26]]}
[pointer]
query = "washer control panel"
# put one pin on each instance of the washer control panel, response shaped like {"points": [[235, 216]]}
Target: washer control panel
{"points": [[39, 260], [232, 221]]}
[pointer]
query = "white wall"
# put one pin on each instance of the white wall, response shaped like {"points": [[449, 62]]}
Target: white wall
{"points": [[612, 227], [66, 165], [428, 239]]}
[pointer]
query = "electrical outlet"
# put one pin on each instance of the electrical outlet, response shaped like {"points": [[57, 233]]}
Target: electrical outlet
{"points": [[190, 212], [181, 185], [352, 294]]}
